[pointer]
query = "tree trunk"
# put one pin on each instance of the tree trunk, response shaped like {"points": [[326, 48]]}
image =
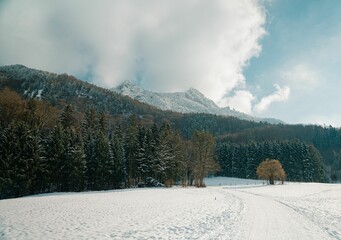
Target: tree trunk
{"points": [[272, 181]]}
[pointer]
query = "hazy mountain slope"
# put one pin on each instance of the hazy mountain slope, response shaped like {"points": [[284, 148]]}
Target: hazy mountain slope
{"points": [[191, 101], [61, 89]]}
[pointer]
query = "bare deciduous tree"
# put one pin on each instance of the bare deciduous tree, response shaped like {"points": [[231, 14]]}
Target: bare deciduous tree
{"points": [[204, 157]]}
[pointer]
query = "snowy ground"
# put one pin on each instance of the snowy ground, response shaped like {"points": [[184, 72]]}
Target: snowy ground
{"points": [[227, 209]]}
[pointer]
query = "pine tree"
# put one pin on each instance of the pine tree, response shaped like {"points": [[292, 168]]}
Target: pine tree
{"points": [[143, 166], [54, 150], [166, 155], [251, 164], [67, 118], [21, 159], [105, 161], [9, 144], [120, 174], [131, 149], [66, 154], [90, 126], [75, 163]]}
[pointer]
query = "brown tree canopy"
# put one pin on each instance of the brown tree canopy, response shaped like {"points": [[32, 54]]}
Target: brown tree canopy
{"points": [[271, 170], [205, 161]]}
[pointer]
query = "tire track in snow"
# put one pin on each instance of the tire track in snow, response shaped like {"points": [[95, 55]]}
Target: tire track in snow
{"points": [[314, 207], [229, 221], [265, 218]]}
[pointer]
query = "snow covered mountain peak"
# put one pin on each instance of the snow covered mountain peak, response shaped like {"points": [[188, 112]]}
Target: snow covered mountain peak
{"points": [[130, 89], [197, 96], [194, 91], [191, 101]]}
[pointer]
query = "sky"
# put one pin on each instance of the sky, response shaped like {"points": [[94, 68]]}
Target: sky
{"points": [[267, 58]]}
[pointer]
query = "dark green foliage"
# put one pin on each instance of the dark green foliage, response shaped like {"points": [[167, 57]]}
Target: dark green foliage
{"points": [[301, 161], [131, 150], [119, 174], [23, 166]]}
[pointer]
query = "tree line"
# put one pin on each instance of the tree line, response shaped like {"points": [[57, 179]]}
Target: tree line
{"points": [[301, 161], [43, 149]]}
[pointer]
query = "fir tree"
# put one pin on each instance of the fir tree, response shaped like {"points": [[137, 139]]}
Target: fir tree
{"points": [[131, 149], [120, 174]]}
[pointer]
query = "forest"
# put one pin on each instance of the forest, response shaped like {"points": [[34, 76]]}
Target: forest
{"points": [[43, 149]]}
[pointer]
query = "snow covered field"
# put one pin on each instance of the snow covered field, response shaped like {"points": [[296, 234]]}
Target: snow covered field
{"points": [[227, 209]]}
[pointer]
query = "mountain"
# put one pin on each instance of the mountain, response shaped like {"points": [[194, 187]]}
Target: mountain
{"points": [[59, 89], [62, 89], [191, 101]]}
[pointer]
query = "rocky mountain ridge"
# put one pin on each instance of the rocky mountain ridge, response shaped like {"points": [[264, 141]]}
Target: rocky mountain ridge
{"points": [[190, 101]]}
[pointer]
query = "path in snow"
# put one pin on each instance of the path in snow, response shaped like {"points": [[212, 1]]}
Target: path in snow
{"points": [[267, 219], [308, 210], [293, 211]]}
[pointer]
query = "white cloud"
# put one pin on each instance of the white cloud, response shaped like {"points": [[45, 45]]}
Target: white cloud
{"points": [[302, 77], [242, 101], [166, 45], [332, 119], [281, 95]]}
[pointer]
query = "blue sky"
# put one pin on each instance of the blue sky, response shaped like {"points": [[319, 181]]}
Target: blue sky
{"points": [[268, 58], [302, 51]]}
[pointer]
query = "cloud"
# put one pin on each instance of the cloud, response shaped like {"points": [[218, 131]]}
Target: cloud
{"points": [[302, 77], [324, 119], [242, 101], [281, 95], [163, 45]]}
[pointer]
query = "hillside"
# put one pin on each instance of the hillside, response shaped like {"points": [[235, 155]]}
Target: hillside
{"points": [[62, 89]]}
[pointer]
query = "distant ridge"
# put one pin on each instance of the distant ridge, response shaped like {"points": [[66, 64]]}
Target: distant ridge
{"points": [[191, 101]]}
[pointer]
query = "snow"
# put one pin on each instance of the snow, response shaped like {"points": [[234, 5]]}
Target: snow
{"points": [[232, 182], [191, 101], [39, 93], [247, 210]]}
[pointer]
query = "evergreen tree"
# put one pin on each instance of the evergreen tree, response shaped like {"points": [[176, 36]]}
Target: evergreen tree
{"points": [[166, 155], [74, 163], [143, 166], [21, 161], [67, 118], [105, 161], [120, 174], [131, 150], [66, 154], [90, 126], [153, 140], [8, 157]]}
